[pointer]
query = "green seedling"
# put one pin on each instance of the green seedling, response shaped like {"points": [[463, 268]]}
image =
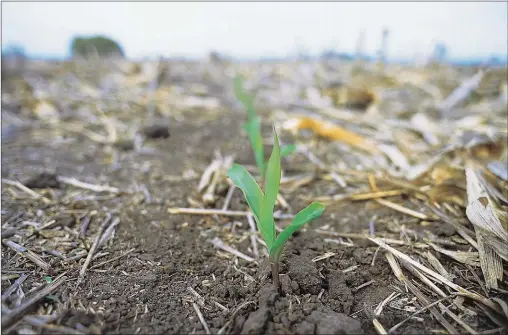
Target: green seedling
{"points": [[262, 205], [253, 128]]}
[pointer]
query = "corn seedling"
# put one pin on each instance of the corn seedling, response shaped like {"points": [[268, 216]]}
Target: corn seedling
{"points": [[262, 205], [253, 128]]}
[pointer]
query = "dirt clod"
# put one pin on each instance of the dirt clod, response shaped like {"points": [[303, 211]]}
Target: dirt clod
{"points": [[267, 296], [257, 321], [330, 322], [362, 257], [305, 273], [304, 328], [339, 292]]}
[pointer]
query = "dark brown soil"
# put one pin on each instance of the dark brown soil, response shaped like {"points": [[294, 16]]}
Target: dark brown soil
{"points": [[149, 291]]}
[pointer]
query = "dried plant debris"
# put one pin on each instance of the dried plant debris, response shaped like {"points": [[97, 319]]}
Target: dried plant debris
{"points": [[490, 233], [118, 216], [214, 178]]}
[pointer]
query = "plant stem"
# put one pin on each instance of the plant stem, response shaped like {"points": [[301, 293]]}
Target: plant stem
{"points": [[275, 275]]}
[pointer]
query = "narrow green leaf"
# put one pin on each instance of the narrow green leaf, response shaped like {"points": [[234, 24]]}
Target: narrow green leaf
{"points": [[272, 181], [287, 150], [307, 214], [251, 190], [253, 128], [238, 84], [253, 125], [48, 279], [246, 99], [266, 223], [238, 87]]}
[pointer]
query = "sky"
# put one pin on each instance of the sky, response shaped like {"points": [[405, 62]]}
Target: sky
{"points": [[468, 29]]}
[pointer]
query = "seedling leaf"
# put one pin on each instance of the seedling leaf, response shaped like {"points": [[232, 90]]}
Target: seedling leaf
{"points": [[272, 182], [242, 96], [287, 150], [253, 128], [253, 124], [307, 214], [251, 190], [267, 223], [262, 204]]}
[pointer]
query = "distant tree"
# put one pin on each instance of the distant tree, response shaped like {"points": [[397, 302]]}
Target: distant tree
{"points": [[102, 46]]}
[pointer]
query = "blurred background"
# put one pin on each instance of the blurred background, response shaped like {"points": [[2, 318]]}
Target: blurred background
{"points": [[460, 32], [134, 111]]}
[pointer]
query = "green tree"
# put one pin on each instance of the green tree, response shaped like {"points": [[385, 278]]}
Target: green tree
{"points": [[102, 46]]}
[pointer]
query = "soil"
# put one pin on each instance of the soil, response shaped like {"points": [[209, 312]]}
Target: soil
{"points": [[151, 289]]}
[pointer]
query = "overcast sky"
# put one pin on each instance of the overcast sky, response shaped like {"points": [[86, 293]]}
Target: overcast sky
{"points": [[260, 29]]}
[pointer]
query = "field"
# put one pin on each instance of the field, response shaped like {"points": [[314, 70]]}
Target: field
{"points": [[118, 216]]}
